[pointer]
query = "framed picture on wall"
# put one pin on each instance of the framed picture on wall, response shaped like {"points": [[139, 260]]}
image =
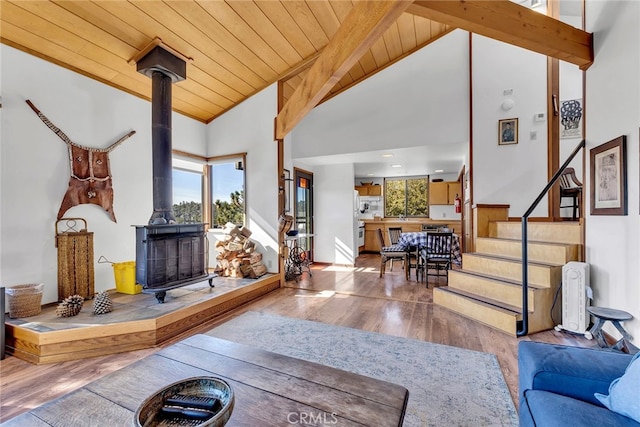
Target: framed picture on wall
{"points": [[609, 178], [508, 131], [571, 118]]}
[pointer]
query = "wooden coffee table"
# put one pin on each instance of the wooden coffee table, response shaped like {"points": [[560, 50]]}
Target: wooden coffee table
{"points": [[270, 390]]}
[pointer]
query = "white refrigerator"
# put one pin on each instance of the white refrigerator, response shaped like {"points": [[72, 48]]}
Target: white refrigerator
{"points": [[358, 226]]}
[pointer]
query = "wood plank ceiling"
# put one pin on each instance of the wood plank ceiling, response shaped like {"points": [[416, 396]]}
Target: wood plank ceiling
{"points": [[236, 48]]}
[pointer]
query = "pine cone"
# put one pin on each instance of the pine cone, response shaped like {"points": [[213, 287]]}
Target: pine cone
{"points": [[70, 306], [102, 303]]}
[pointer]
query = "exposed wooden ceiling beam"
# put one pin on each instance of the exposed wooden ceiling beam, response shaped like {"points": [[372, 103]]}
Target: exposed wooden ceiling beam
{"points": [[365, 24], [514, 24]]}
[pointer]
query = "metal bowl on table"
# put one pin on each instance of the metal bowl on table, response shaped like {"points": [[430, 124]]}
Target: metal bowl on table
{"points": [[196, 401]]}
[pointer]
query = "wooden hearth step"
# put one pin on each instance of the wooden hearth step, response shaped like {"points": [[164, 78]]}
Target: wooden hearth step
{"points": [[484, 310]]}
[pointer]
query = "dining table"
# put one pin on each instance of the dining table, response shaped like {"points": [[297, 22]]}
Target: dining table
{"points": [[420, 240]]}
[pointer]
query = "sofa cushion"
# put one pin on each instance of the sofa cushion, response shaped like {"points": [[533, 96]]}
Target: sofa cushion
{"points": [[543, 408], [571, 371], [624, 392]]}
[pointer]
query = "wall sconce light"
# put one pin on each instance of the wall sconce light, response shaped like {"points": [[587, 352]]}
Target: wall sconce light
{"points": [[507, 104]]}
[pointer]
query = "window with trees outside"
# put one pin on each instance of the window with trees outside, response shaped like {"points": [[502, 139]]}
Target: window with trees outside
{"points": [[187, 191], [214, 183], [226, 177], [406, 197]]}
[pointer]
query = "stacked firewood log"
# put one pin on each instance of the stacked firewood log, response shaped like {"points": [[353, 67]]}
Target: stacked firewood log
{"points": [[237, 255]]}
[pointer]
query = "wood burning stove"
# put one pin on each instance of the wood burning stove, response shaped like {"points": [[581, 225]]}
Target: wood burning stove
{"points": [[168, 255]]}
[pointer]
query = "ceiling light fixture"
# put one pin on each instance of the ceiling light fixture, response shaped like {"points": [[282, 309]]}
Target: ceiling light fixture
{"points": [[387, 155], [439, 170], [396, 166]]}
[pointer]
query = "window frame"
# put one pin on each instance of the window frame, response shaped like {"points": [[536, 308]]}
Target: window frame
{"points": [[207, 188], [406, 179], [193, 171], [206, 163]]}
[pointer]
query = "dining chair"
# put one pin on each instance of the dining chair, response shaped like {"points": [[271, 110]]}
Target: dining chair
{"points": [[436, 256], [413, 261], [571, 187], [388, 253], [394, 237]]}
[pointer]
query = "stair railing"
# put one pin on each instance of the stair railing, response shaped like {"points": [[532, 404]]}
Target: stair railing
{"points": [[525, 256]]}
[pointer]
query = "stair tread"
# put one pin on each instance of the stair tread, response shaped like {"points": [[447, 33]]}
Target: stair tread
{"points": [[518, 259], [497, 278], [495, 304], [534, 242], [511, 259], [538, 242]]}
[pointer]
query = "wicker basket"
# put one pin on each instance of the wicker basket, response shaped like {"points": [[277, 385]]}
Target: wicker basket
{"points": [[75, 259], [24, 300]]}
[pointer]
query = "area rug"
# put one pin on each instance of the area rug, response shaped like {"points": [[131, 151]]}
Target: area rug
{"points": [[448, 386]]}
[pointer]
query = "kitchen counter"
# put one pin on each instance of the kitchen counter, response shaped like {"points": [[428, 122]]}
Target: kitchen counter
{"points": [[371, 226], [412, 221]]}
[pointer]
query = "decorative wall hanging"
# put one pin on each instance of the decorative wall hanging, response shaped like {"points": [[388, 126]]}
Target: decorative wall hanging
{"points": [[507, 131], [609, 178], [90, 180], [571, 118]]}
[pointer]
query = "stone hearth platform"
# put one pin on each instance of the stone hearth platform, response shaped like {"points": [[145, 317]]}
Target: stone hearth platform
{"points": [[136, 322]]}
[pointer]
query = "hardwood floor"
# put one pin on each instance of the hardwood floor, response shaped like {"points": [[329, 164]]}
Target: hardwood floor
{"points": [[344, 296]]}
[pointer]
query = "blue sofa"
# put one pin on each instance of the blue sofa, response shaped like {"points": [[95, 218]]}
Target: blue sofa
{"points": [[557, 385]]}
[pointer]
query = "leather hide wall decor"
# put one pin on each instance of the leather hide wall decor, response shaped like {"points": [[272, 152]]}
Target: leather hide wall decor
{"points": [[90, 180]]}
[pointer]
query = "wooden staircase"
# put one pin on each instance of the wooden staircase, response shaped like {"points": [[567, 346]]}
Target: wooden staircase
{"points": [[488, 287]]}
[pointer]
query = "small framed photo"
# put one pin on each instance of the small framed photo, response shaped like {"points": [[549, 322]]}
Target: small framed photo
{"points": [[571, 118], [507, 131], [609, 178]]}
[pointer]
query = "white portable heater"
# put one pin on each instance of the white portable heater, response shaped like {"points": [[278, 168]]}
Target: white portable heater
{"points": [[576, 295]]}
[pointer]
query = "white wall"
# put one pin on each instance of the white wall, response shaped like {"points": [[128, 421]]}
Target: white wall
{"points": [[334, 230], [249, 128], [420, 100], [35, 168], [512, 174], [613, 100]]}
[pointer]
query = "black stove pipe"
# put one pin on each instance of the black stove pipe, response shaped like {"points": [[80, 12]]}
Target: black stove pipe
{"points": [[164, 68], [161, 147]]}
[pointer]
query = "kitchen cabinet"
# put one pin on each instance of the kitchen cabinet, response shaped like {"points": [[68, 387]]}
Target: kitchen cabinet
{"points": [[369, 190], [371, 243], [443, 193], [371, 229]]}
